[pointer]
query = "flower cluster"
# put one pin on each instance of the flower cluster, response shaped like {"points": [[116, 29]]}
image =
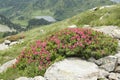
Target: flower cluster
{"points": [[78, 42]]}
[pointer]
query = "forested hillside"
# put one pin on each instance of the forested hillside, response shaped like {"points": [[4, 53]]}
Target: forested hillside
{"points": [[20, 11], [8, 28]]}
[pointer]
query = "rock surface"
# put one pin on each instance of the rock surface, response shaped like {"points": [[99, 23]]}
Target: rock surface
{"points": [[23, 78], [108, 63], [117, 69], [7, 44], [113, 31], [103, 73], [8, 64], [116, 33], [72, 26], [72, 69], [35, 78], [3, 46], [114, 76], [119, 45]]}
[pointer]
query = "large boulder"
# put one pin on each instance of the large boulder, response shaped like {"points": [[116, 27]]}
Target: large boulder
{"points": [[72, 69], [108, 63], [113, 31], [8, 64]]}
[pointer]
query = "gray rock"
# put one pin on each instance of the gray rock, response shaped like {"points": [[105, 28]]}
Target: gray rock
{"points": [[103, 73], [113, 31], [39, 78], [108, 63], [114, 76], [106, 29], [72, 26], [72, 69], [119, 45], [116, 33], [35, 78], [8, 64], [117, 55], [7, 42], [23, 78], [118, 61], [117, 69], [102, 79], [99, 62], [13, 43], [3, 46], [92, 59]]}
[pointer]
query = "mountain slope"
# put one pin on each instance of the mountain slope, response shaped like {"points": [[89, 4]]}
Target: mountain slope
{"points": [[106, 15], [90, 17], [25, 9]]}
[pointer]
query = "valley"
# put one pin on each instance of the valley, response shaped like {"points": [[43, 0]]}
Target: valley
{"points": [[21, 11]]}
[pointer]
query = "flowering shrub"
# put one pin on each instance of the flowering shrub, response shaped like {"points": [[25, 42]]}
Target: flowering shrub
{"points": [[78, 42]]}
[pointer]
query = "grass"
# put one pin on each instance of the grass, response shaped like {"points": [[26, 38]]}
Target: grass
{"points": [[1, 34], [81, 19], [31, 36], [86, 18], [110, 15]]}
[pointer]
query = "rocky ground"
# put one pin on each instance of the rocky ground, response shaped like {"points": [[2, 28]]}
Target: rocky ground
{"points": [[7, 44], [107, 68]]}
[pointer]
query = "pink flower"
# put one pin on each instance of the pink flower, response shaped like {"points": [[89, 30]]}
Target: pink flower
{"points": [[47, 58], [38, 43], [43, 44], [36, 53]]}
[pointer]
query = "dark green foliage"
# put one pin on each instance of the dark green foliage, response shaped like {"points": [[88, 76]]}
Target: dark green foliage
{"points": [[78, 42], [60, 9], [9, 33], [6, 21], [37, 22]]}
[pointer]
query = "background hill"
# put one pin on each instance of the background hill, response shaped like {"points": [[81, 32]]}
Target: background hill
{"points": [[20, 11], [7, 27]]}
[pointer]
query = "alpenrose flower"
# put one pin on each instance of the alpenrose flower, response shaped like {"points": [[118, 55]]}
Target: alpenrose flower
{"points": [[78, 42]]}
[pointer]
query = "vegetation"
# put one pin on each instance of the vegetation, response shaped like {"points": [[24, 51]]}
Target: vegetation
{"points": [[84, 43], [35, 34], [1, 35], [23, 10], [37, 22], [5, 22], [100, 17]]}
